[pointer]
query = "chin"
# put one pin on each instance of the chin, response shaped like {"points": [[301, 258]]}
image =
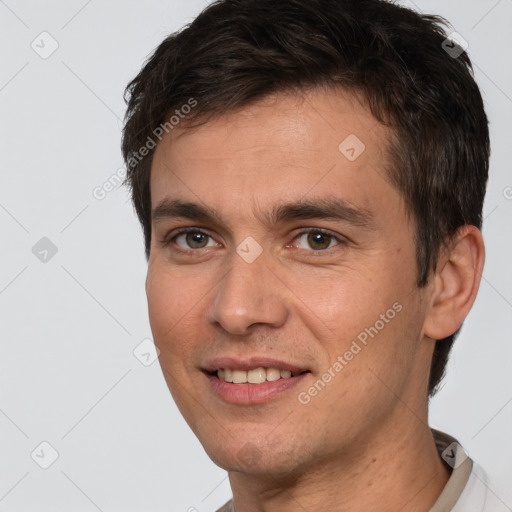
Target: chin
{"points": [[251, 459]]}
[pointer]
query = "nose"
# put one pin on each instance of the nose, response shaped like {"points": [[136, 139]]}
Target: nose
{"points": [[248, 294]]}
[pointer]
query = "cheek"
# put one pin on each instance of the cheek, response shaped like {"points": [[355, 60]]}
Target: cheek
{"points": [[372, 318], [171, 304], [162, 301], [387, 349], [342, 303]]}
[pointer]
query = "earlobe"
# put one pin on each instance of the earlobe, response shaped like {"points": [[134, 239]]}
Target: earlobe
{"points": [[456, 283]]}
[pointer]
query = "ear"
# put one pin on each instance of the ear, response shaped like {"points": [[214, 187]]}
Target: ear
{"points": [[456, 282]]}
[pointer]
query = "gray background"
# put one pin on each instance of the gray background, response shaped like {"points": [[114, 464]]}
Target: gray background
{"points": [[70, 321]]}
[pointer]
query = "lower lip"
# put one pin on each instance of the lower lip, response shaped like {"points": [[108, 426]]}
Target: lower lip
{"points": [[247, 394]]}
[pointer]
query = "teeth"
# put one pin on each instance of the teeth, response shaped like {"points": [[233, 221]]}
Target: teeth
{"points": [[239, 377], [273, 374], [256, 376]]}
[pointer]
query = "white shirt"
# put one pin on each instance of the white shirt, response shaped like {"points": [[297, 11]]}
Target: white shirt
{"points": [[467, 489]]}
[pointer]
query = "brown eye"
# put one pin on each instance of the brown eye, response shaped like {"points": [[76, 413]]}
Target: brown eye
{"points": [[194, 240], [319, 240], [316, 240]]}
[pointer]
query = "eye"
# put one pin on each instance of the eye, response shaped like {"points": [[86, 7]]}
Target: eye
{"points": [[316, 239], [193, 239]]}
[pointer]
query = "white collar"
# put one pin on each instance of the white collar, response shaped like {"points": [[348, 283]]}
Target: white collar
{"points": [[467, 489]]}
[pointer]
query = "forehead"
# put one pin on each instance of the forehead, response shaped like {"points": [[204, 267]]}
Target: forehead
{"points": [[283, 148]]}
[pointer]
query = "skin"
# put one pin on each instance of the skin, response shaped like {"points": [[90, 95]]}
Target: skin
{"points": [[363, 442]]}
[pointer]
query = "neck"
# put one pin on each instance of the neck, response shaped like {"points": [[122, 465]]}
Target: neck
{"points": [[396, 468]]}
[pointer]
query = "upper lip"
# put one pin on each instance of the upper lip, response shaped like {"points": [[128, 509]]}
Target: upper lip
{"points": [[251, 363]]}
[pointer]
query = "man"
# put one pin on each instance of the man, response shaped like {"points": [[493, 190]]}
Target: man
{"points": [[310, 176]]}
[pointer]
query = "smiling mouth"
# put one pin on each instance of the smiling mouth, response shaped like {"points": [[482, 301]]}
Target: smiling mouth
{"points": [[255, 376]]}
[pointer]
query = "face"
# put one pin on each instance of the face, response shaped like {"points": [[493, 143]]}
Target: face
{"points": [[283, 260]]}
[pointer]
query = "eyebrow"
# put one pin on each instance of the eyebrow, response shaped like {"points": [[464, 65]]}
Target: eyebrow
{"points": [[322, 208]]}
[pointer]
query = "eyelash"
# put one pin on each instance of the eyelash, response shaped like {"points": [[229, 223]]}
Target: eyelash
{"points": [[341, 242]]}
